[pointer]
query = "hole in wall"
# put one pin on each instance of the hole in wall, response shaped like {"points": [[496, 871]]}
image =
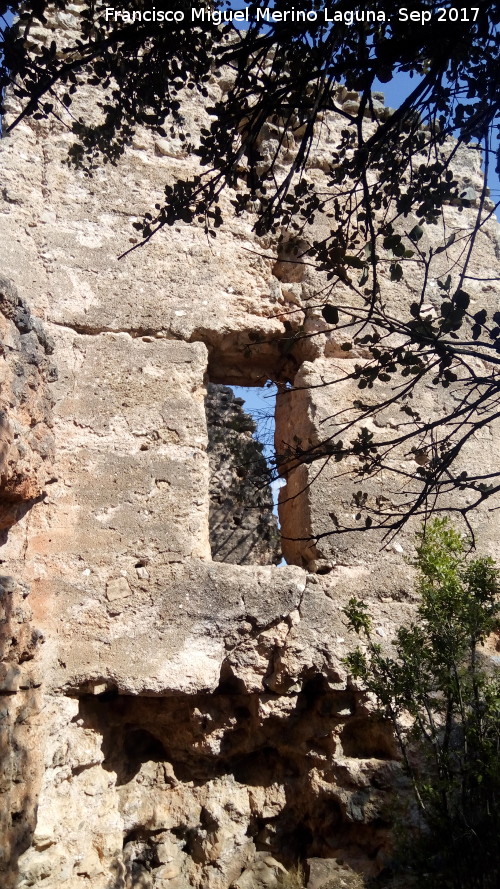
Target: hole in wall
{"points": [[141, 746], [366, 737], [167, 755], [244, 525]]}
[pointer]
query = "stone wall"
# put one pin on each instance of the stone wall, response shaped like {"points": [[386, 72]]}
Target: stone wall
{"points": [[26, 438], [26, 463], [21, 702], [189, 722]]}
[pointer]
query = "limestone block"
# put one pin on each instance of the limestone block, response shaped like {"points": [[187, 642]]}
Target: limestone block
{"points": [[131, 475], [168, 636]]}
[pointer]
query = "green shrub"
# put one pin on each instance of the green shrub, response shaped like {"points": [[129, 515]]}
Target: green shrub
{"points": [[441, 679]]}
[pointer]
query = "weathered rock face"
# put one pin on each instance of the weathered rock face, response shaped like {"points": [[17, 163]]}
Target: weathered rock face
{"points": [[26, 439], [26, 458], [202, 788], [20, 705], [243, 529], [186, 722], [199, 785]]}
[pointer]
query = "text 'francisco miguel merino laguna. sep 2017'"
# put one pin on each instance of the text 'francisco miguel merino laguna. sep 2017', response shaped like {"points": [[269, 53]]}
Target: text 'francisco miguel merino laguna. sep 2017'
{"points": [[271, 16]]}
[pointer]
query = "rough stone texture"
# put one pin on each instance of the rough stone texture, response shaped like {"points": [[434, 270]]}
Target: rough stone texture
{"points": [[306, 416], [190, 721], [328, 874], [26, 469], [26, 440], [206, 786], [243, 529], [20, 707]]}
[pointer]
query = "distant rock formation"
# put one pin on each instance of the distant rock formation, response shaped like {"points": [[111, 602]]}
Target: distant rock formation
{"points": [[243, 530]]}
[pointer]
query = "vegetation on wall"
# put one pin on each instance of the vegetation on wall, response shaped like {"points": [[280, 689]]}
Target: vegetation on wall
{"points": [[441, 692]]}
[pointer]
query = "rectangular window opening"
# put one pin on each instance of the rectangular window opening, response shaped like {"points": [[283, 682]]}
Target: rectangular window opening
{"points": [[244, 523]]}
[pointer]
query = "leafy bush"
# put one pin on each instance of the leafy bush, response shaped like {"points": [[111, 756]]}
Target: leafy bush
{"points": [[441, 679]]}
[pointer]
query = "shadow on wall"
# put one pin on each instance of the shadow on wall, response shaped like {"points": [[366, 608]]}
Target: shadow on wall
{"points": [[212, 777]]}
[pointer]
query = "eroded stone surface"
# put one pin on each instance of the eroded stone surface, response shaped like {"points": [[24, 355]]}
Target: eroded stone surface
{"points": [[20, 706], [26, 374], [207, 787]]}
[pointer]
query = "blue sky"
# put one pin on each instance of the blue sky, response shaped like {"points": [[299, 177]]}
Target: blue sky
{"points": [[261, 403]]}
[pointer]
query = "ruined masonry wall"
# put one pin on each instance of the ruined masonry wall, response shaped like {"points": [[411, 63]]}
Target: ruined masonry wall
{"points": [[189, 722]]}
